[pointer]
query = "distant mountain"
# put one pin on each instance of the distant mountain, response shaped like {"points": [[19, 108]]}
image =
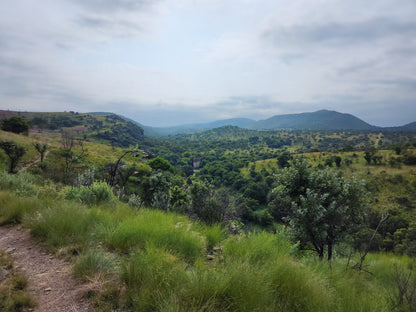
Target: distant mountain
{"points": [[195, 128], [319, 120], [408, 127]]}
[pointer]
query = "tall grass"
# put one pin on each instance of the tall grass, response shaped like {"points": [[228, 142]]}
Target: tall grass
{"points": [[95, 263], [63, 224], [168, 231], [22, 184], [95, 194], [257, 248], [151, 276], [160, 263], [13, 209]]}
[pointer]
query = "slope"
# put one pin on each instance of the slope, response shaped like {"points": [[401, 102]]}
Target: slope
{"points": [[319, 120]]}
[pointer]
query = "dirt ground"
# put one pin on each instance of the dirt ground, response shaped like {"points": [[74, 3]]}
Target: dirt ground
{"points": [[49, 278]]}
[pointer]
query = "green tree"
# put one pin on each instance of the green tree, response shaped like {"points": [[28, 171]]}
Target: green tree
{"points": [[321, 207], [369, 154], [15, 124], [14, 152], [283, 160], [160, 163], [338, 161], [41, 148]]}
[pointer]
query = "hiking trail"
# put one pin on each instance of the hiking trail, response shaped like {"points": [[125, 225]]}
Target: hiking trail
{"points": [[50, 281]]}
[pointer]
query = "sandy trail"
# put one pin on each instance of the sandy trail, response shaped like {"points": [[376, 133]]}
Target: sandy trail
{"points": [[49, 278]]}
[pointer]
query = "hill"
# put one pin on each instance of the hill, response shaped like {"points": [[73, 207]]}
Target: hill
{"points": [[197, 127], [104, 128], [408, 127], [319, 120]]}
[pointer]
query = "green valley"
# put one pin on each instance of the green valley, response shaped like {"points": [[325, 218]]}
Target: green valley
{"points": [[228, 219]]}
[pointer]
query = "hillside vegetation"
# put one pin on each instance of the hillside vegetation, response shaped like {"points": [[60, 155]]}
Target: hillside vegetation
{"points": [[225, 220]]}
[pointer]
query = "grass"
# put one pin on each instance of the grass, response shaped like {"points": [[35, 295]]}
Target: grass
{"points": [[13, 294], [149, 260], [13, 209]]}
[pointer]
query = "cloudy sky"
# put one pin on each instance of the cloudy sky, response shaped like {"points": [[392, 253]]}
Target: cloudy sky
{"points": [[168, 62]]}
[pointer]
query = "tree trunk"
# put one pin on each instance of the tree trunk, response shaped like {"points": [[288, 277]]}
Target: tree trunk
{"points": [[329, 251]]}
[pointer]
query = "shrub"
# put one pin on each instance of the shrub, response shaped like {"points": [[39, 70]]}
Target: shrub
{"points": [[97, 193], [22, 184]]}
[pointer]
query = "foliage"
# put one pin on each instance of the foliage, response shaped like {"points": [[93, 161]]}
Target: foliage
{"points": [[14, 152], [95, 194], [41, 148], [320, 205], [159, 163], [15, 124], [22, 184]]}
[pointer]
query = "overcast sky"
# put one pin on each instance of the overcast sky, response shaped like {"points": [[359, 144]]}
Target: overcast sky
{"points": [[168, 62]]}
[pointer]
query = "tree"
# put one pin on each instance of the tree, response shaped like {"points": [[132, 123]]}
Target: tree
{"points": [[14, 152], [41, 148], [283, 160], [369, 154], [15, 124], [338, 160], [160, 163], [115, 167], [71, 155], [320, 206]]}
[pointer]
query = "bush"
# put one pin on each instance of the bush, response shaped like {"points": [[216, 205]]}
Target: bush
{"points": [[22, 184], [97, 193]]}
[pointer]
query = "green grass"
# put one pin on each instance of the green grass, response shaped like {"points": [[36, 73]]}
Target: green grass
{"points": [[169, 231], [150, 260], [13, 283], [95, 263], [13, 209]]}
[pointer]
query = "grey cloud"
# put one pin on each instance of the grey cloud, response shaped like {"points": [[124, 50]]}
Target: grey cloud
{"points": [[340, 33], [358, 67], [407, 83], [114, 5], [290, 58], [117, 27]]}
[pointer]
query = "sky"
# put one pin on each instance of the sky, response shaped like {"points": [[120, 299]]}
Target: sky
{"points": [[170, 62]]}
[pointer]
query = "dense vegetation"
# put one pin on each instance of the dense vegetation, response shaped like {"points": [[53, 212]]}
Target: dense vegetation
{"points": [[225, 220]]}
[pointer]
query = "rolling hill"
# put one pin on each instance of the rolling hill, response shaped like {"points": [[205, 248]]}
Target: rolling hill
{"points": [[319, 120]]}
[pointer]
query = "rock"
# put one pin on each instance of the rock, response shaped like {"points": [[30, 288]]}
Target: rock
{"points": [[10, 250], [3, 274]]}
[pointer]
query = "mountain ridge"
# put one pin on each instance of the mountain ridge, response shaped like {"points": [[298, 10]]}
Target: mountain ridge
{"points": [[318, 120]]}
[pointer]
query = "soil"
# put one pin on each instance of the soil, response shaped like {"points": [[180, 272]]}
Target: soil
{"points": [[49, 278], [32, 163]]}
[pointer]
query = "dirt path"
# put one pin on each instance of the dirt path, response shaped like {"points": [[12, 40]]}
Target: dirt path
{"points": [[32, 163], [49, 278]]}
